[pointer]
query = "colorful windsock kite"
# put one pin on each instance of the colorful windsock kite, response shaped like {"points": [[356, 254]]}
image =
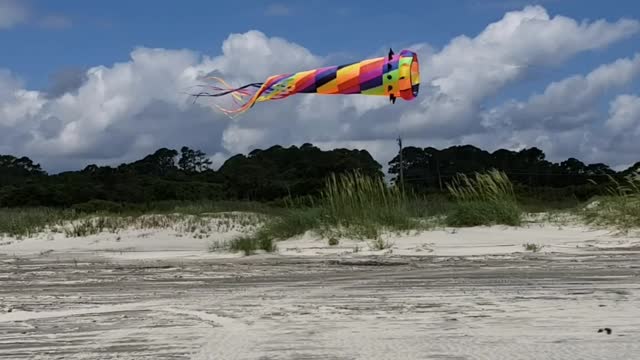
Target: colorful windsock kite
{"points": [[395, 76]]}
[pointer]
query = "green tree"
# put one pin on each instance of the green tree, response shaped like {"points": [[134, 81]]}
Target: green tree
{"points": [[193, 160]]}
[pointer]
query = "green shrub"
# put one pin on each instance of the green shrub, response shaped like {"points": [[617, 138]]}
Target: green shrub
{"points": [[249, 244], [476, 213]]}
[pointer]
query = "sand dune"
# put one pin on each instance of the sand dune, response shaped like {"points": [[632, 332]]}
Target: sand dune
{"points": [[132, 243]]}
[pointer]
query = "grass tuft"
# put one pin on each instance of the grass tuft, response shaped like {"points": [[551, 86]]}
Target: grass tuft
{"points": [[351, 205], [532, 247], [380, 244], [486, 199], [620, 208], [362, 206], [24, 222], [285, 226]]}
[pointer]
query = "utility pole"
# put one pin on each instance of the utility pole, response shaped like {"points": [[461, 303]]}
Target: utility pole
{"points": [[439, 177], [401, 165]]}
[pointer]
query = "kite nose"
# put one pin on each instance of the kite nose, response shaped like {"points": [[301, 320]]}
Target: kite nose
{"points": [[409, 82]]}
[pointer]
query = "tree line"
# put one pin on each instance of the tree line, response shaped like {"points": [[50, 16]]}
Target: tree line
{"points": [[262, 175], [429, 169], [277, 172]]}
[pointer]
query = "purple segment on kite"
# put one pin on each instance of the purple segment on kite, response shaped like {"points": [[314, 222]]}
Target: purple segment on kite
{"points": [[393, 63], [325, 76], [370, 84]]}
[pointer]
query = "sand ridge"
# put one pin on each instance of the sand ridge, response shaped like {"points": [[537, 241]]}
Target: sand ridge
{"points": [[547, 237]]}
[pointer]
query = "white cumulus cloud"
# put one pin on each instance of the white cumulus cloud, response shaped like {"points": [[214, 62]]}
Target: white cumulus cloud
{"points": [[120, 112], [469, 70], [625, 115], [566, 103]]}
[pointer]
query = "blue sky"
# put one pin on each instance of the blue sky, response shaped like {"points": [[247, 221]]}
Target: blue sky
{"points": [[56, 112], [104, 32]]}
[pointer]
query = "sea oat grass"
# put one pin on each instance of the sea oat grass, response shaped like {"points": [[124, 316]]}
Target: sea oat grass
{"points": [[485, 199]]}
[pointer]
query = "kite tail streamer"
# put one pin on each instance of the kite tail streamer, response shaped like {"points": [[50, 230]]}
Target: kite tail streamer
{"points": [[394, 76], [246, 96], [242, 95]]}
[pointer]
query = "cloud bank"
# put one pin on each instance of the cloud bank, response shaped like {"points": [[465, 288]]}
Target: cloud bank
{"points": [[113, 113]]}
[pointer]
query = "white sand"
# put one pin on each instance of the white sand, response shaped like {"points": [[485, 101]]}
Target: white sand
{"points": [[475, 241], [493, 300], [175, 241], [130, 244]]}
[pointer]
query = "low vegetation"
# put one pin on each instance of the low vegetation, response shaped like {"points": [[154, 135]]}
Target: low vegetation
{"points": [[23, 222], [620, 208], [532, 247], [197, 219], [363, 207], [486, 199], [350, 205], [278, 227]]}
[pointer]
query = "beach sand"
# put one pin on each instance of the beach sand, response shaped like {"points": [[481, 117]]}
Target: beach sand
{"points": [[472, 293]]}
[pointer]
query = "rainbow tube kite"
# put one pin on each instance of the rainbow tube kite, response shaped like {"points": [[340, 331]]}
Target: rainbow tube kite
{"points": [[395, 76]]}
